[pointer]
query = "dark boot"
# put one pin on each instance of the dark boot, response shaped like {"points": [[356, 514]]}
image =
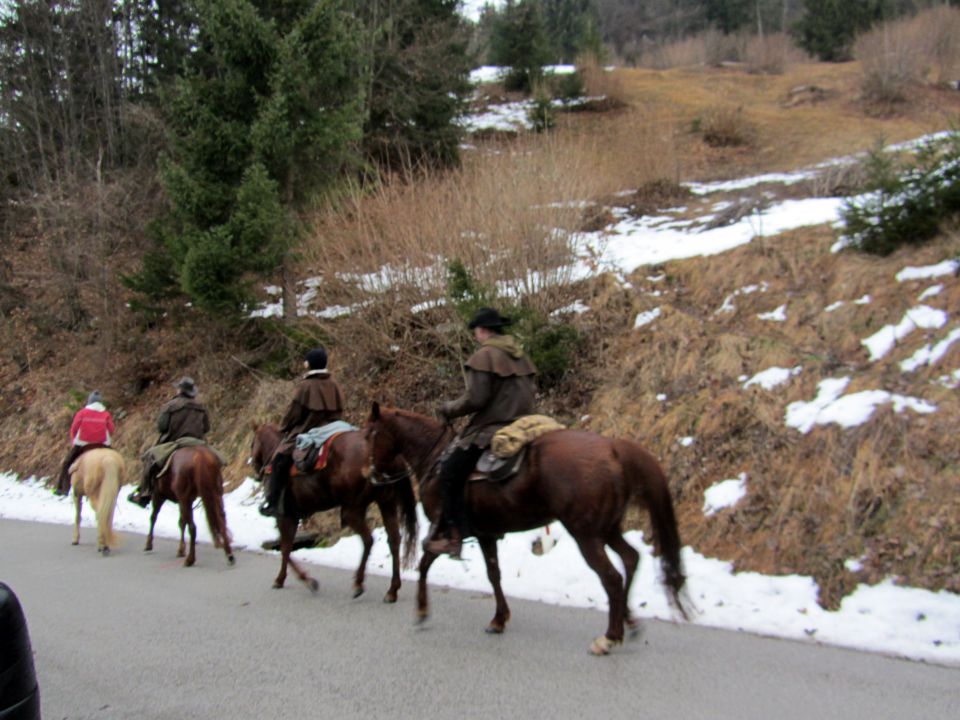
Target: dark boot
{"points": [[143, 494], [63, 479], [450, 545], [275, 483]]}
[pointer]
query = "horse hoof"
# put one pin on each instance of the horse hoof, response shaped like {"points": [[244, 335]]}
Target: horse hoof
{"points": [[188, 562], [492, 629], [231, 560], [277, 585], [389, 598], [75, 542], [602, 646], [422, 616], [106, 552], [357, 592], [313, 585], [634, 629]]}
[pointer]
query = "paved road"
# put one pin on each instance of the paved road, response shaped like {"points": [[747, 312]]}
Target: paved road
{"points": [[139, 636]]}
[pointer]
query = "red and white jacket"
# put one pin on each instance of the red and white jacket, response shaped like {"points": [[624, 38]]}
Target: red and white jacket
{"points": [[93, 424]]}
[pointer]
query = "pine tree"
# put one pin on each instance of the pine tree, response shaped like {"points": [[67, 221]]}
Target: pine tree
{"points": [[828, 27], [268, 112], [519, 41], [417, 84]]}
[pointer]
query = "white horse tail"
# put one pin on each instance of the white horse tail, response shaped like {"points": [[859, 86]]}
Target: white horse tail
{"points": [[111, 468]]}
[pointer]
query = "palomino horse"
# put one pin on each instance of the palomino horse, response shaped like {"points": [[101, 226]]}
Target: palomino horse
{"points": [[98, 474], [194, 472], [582, 479], [344, 482]]}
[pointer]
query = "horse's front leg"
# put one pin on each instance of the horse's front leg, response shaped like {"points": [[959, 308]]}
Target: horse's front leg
{"points": [[356, 519], [489, 547], [77, 503], [157, 503], [423, 602], [186, 519], [388, 512], [288, 531]]}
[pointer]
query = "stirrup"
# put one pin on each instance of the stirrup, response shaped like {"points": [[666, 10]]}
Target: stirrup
{"points": [[137, 498], [268, 509]]}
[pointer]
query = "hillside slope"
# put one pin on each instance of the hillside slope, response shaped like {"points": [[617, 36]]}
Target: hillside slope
{"points": [[879, 492]]}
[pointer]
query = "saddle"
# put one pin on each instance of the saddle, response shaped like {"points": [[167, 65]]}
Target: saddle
{"points": [[309, 459], [508, 448]]}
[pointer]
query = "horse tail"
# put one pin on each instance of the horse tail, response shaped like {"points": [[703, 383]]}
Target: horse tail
{"points": [[649, 485], [408, 515], [210, 489], [111, 471]]}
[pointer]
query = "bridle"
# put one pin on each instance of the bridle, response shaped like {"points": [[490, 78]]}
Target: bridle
{"points": [[380, 477]]}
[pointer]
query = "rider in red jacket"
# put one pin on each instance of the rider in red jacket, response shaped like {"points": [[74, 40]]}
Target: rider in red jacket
{"points": [[92, 427]]}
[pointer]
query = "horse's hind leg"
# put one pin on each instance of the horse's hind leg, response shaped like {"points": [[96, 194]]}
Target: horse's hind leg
{"points": [[388, 512], [631, 560], [356, 519], [489, 547], [77, 503], [593, 551], [186, 520], [157, 504]]}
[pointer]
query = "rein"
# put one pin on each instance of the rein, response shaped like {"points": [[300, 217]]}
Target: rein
{"points": [[378, 477]]}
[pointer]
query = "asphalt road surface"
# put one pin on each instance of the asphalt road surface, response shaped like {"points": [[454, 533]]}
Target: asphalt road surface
{"points": [[138, 636]]}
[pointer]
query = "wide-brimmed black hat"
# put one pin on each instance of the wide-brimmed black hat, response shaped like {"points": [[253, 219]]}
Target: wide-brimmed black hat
{"points": [[487, 317], [187, 386]]}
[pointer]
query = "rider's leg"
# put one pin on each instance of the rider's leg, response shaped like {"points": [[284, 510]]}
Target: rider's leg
{"points": [[279, 475], [63, 479], [141, 496], [453, 519]]}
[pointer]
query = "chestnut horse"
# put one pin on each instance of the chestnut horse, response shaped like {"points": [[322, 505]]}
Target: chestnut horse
{"points": [[582, 479], [98, 474], [344, 482], [194, 472]]}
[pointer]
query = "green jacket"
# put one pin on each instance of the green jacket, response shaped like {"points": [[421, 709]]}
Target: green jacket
{"points": [[501, 387]]}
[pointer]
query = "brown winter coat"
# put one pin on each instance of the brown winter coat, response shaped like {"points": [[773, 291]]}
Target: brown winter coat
{"points": [[182, 417], [501, 385], [316, 401]]}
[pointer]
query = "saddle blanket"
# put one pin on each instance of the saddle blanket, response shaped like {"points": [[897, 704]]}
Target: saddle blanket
{"points": [[161, 454], [508, 441], [313, 447], [319, 435]]}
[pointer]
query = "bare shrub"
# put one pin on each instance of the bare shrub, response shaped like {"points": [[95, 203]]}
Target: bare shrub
{"points": [[600, 82], [685, 52], [725, 126], [772, 54], [891, 61], [720, 48]]}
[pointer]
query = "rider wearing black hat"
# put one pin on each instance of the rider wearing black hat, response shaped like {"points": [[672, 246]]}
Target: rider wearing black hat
{"points": [[316, 401], [501, 385], [180, 417]]}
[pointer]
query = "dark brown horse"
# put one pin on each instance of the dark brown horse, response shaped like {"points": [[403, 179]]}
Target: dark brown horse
{"points": [[344, 482], [194, 472], [584, 480]]}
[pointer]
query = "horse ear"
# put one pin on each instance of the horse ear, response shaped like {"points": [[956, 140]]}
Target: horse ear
{"points": [[375, 411]]}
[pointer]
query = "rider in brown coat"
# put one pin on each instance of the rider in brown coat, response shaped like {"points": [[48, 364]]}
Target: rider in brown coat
{"points": [[180, 417], [316, 401], [501, 386]]}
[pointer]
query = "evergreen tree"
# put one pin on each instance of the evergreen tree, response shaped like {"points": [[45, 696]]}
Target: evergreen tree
{"points": [[519, 41], [417, 85], [572, 27], [828, 27], [267, 113]]}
